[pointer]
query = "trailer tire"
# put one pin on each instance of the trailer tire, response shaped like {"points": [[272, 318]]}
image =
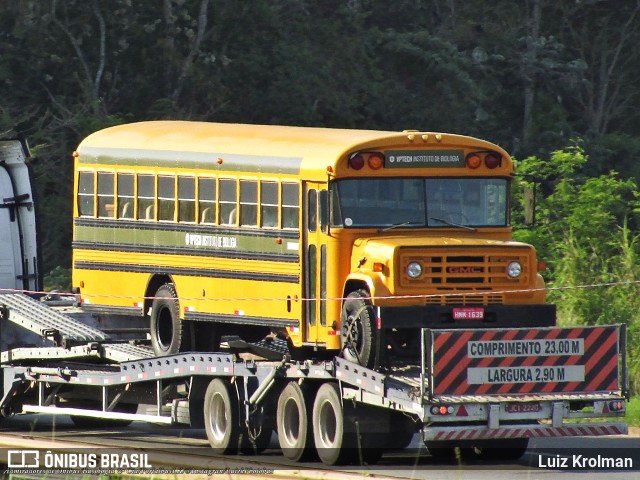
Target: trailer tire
{"points": [[331, 440], [358, 329], [295, 422], [221, 419], [166, 326]]}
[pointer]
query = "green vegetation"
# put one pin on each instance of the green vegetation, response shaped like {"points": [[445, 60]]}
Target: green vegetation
{"points": [[633, 412], [587, 233]]}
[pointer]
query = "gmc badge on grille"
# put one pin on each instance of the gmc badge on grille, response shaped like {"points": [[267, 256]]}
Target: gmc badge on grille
{"points": [[465, 269]]}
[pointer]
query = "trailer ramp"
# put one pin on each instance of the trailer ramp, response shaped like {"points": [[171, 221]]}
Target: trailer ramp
{"points": [[47, 322]]}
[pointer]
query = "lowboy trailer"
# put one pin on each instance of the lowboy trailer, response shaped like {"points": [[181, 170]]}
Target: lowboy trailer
{"points": [[490, 389]]}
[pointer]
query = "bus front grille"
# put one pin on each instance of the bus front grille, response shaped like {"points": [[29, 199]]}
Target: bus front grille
{"points": [[471, 275]]}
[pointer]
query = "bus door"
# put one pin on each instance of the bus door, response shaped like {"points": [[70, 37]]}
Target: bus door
{"points": [[315, 262]]}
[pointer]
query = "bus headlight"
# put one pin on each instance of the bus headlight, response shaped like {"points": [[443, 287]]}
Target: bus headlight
{"points": [[514, 269], [414, 270]]}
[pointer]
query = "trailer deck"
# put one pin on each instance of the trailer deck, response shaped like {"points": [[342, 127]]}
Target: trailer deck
{"points": [[117, 377]]}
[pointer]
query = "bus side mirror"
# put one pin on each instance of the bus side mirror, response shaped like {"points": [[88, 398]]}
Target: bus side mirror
{"points": [[529, 198]]}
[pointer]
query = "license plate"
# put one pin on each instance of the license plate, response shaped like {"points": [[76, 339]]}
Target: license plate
{"points": [[468, 313], [523, 407]]}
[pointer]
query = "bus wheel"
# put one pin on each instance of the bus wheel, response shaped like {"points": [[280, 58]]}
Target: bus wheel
{"points": [[332, 442], [358, 331], [294, 422], [166, 326], [221, 417]]}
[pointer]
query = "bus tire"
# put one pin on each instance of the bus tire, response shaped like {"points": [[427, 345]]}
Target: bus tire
{"points": [[166, 327], [358, 329], [294, 422], [331, 440], [221, 420]]}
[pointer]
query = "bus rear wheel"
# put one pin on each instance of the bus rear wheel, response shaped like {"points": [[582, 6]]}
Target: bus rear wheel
{"points": [[166, 326], [358, 330]]}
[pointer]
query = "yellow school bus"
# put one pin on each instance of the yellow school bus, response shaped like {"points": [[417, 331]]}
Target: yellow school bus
{"points": [[340, 241]]}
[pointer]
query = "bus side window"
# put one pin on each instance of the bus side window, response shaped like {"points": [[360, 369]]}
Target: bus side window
{"points": [[106, 195], [323, 209], [125, 195], [269, 204], [85, 194], [186, 199], [166, 198], [312, 210], [146, 197], [290, 205], [228, 201], [207, 200], [248, 203]]}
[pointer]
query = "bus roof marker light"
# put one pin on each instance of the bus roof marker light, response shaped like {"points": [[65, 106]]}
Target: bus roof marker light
{"points": [[356, 162], [375, 161], [219, 161], [492, 160], [425, 137], [473, 160], [438, 137]]}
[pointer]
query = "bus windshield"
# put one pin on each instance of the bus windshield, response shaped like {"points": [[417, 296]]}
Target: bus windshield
{"points": [[419, 202]]}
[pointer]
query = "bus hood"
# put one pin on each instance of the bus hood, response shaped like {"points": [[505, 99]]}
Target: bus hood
{"points": [[446, 263]]}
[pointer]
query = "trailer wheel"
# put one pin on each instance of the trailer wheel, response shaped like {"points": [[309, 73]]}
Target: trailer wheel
{"points": [[332, 442], [358, 330], [221, 417], [166, 326], [294, 422]]}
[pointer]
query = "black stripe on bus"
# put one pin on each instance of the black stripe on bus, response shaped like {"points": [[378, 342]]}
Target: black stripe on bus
{"points": [[191, 272], [240, 319], [231, 254]]}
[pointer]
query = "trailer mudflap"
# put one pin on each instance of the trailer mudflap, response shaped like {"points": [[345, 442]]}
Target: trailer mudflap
{"points": [[526, 361]]}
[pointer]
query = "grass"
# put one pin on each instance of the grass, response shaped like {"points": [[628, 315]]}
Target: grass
{"points": [[633, 412]]}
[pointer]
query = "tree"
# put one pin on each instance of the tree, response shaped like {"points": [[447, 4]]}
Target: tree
{"points": [[603, 39]]}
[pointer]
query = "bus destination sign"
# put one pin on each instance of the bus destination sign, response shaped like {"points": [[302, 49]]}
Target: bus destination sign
{"points": [[424, 159]]}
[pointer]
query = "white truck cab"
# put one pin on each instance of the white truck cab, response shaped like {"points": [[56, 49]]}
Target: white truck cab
{"points": [[19, 259]]}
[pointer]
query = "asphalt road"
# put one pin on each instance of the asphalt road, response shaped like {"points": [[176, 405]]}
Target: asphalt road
{"points": [[175, 447]]}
